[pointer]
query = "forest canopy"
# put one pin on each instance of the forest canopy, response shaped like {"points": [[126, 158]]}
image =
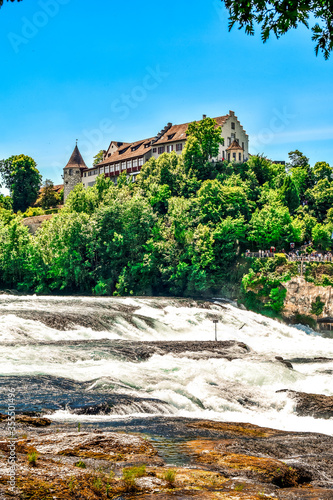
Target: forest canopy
{"points": [[180, 229]]}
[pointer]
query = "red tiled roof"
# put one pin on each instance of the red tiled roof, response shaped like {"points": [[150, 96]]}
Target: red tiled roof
{"points": [[76, 160], [234, 145], [57, 188], [173, 134], [125, 152], [178, 132]]}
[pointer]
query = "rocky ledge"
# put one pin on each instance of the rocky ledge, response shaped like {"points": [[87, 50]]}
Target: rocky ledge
{"points": [[312, 405], [225, 461]]}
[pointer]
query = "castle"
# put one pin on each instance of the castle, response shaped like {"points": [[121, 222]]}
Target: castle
{"points": [[130, 157]]}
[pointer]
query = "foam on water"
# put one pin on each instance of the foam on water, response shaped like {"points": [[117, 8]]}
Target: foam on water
{"points": [[238, 390]]}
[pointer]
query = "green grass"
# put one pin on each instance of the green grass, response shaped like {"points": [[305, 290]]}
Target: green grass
{"points": [[32, 458]]}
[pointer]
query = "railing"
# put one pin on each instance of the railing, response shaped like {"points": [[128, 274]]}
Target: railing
{"points": [[310, 258], [293, 257]]}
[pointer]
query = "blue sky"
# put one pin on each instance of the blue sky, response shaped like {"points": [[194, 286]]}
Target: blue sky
{"points": [[102, 70]]}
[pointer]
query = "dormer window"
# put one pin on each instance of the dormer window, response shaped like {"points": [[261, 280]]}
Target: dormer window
{"points": [[171, 136], [134, 148]]}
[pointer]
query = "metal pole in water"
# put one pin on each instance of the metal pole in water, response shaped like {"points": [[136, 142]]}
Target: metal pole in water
{"points": [[215, 321]]}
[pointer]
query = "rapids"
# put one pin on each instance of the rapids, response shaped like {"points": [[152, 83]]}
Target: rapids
{"points": [[56, 352]]}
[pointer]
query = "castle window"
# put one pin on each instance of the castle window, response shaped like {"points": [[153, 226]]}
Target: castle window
{"points": [[179, 147], [233, 125], [234, 156], [70, 172], [140, 162], [135, 163], [85, 174], [229, 141], [101, 170], [129, 164], [123, 165], [240, 156], [170, 148], [161, 150], [111, 168], [107, 168], [154, 150], [243, 146]]}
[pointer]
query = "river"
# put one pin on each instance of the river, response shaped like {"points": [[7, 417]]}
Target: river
{"points": [[62, 356]]}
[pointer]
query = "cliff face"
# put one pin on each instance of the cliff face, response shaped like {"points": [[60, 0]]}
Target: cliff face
{"points": [[301, 295]]}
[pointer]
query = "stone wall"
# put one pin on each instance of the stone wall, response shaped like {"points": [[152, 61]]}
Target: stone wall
{"points": [[35, 223], [301, 295], [72, 177]]}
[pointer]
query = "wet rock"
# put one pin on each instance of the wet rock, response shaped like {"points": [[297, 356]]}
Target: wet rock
{"points": [[313, 405], [28, 420], [240, 461], [284, 362], [309, 455], [265, 470], [121, 404]]}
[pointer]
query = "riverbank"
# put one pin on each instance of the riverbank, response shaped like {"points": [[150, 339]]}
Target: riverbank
{"points": [[167, 457]]}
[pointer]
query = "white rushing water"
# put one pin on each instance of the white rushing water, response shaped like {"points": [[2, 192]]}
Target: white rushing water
{"points": [[241, 390]]}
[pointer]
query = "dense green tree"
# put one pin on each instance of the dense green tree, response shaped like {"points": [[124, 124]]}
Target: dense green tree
{"points": [[167, 170], [289, 194], [48, 197], [204, 139], [304, 219], [208, 134], [321, 236], [298, 159], [217, 201], [6, 202], [261, 167], [272, 225], [322, 170], [14, 251], [277, 175], [300, 177], [317, 306], [98, 158], [21, 177], [278, 17], [320, 198]]}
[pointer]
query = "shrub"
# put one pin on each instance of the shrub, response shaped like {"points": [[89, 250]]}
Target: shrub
{"points": [[32, 458], [33, 211], [81, 464], [317, 306], [130, 474], [170, 476], [239, 487], [280, 258]]}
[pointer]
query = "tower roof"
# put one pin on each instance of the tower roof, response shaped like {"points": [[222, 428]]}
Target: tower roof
{"points": [[76, 160], [235, 145]]}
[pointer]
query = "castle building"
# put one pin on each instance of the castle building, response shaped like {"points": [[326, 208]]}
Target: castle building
{"points": [[73, 171], [129, 157]]}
